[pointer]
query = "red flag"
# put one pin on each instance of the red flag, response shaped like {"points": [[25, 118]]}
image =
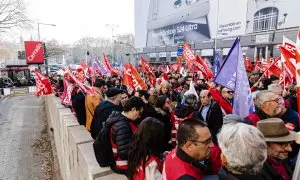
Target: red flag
{"points": [[188, 54], [132, 78], [200, 65], [147, 69], [86, 89], [297, 57], [256, 65], [288, 57], [80, 74], [109, 66], [68, 89], [43, 85], [248, 64], [276, 67]]}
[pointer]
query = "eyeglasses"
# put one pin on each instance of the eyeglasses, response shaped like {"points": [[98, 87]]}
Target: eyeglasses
{"points": [[206, 142], [278, 100], [285, 144]]}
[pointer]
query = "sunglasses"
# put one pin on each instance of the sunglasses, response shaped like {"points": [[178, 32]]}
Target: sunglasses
{"points": [[229, 92]]}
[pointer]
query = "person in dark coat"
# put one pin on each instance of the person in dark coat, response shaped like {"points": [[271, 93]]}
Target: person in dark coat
{"points": [[78, 104], [149, 110], [122, 129], [162, 113], [279, 141], [211, 113], [104, 109], [291, 97]]}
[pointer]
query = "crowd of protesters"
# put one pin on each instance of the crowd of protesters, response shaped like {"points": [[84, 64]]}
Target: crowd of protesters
{"points": [[166, 132]]}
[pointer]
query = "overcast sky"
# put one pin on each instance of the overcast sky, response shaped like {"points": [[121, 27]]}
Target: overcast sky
{"points": [[78, 18]]}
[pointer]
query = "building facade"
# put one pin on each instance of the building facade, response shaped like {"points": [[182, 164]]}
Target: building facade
{"points": [[205, 24]]}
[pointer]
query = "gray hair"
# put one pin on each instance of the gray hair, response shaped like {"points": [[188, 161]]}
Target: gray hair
{"points": [[244, 147], [271, 87], [262, 97]]}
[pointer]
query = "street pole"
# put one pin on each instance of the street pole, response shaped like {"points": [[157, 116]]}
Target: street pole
{"points": [[45, 52], [39, 37], [112, 27], [136, 52]]}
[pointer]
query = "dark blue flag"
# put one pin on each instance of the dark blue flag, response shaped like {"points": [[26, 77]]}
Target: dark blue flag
{"points": [[217, 62]]}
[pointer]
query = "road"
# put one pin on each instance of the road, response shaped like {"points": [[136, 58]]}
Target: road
{"points": [[25, 150]]}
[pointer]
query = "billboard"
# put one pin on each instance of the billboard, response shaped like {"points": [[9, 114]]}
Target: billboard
{"points": [[165, 22], [34, 51]]}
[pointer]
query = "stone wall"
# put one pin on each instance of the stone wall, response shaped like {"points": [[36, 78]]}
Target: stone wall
{"points": [[73, 145]]}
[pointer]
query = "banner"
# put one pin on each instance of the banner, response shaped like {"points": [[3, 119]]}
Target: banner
{"points": [[43, 85], [34, 51], [132, 79]]}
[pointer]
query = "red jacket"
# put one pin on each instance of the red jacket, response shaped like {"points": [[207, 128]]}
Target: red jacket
{"points": [[174, 168], [175, 123], [225, 105]]}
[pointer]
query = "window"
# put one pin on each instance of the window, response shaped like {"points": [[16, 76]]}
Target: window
{"points": [[265, 19]]}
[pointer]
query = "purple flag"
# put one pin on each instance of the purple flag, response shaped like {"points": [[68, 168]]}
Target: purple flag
{"points": [[233, 76], [227, 73]]}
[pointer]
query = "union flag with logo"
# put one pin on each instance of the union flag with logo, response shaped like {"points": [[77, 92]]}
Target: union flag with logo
{"points": [[43, 85]]}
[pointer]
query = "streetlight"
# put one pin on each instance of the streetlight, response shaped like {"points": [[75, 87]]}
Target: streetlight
{"points": [[112, 27], [136, 52], [39, 38]]}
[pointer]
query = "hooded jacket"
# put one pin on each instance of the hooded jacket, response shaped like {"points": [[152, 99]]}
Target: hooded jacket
{"points": [[102, 112], [122, 130]]}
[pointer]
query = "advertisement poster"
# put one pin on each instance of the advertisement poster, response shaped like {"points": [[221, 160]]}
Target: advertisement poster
{"points": [[165, 22], [34, 51]]}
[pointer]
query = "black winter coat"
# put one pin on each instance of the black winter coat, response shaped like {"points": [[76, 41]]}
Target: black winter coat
{"points": [[102, 112], [164, 117], [224, 174], [78, 103], [121, 133], [214, 117]]}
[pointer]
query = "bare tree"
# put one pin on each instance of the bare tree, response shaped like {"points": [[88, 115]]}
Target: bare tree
{"points": [[54, 50], [13, 14], [8, 50]]}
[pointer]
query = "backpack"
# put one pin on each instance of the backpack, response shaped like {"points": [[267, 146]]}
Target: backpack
{"points": [[103, 149]]}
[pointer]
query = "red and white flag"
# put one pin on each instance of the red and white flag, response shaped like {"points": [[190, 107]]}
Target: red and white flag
{"points": [[188, 54], [43, 85], [200, 65], [66, 97], [248, 64], [132, 79], [86, 89], [147, 69], [109, 66], [256, 64], [297, 56]]}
